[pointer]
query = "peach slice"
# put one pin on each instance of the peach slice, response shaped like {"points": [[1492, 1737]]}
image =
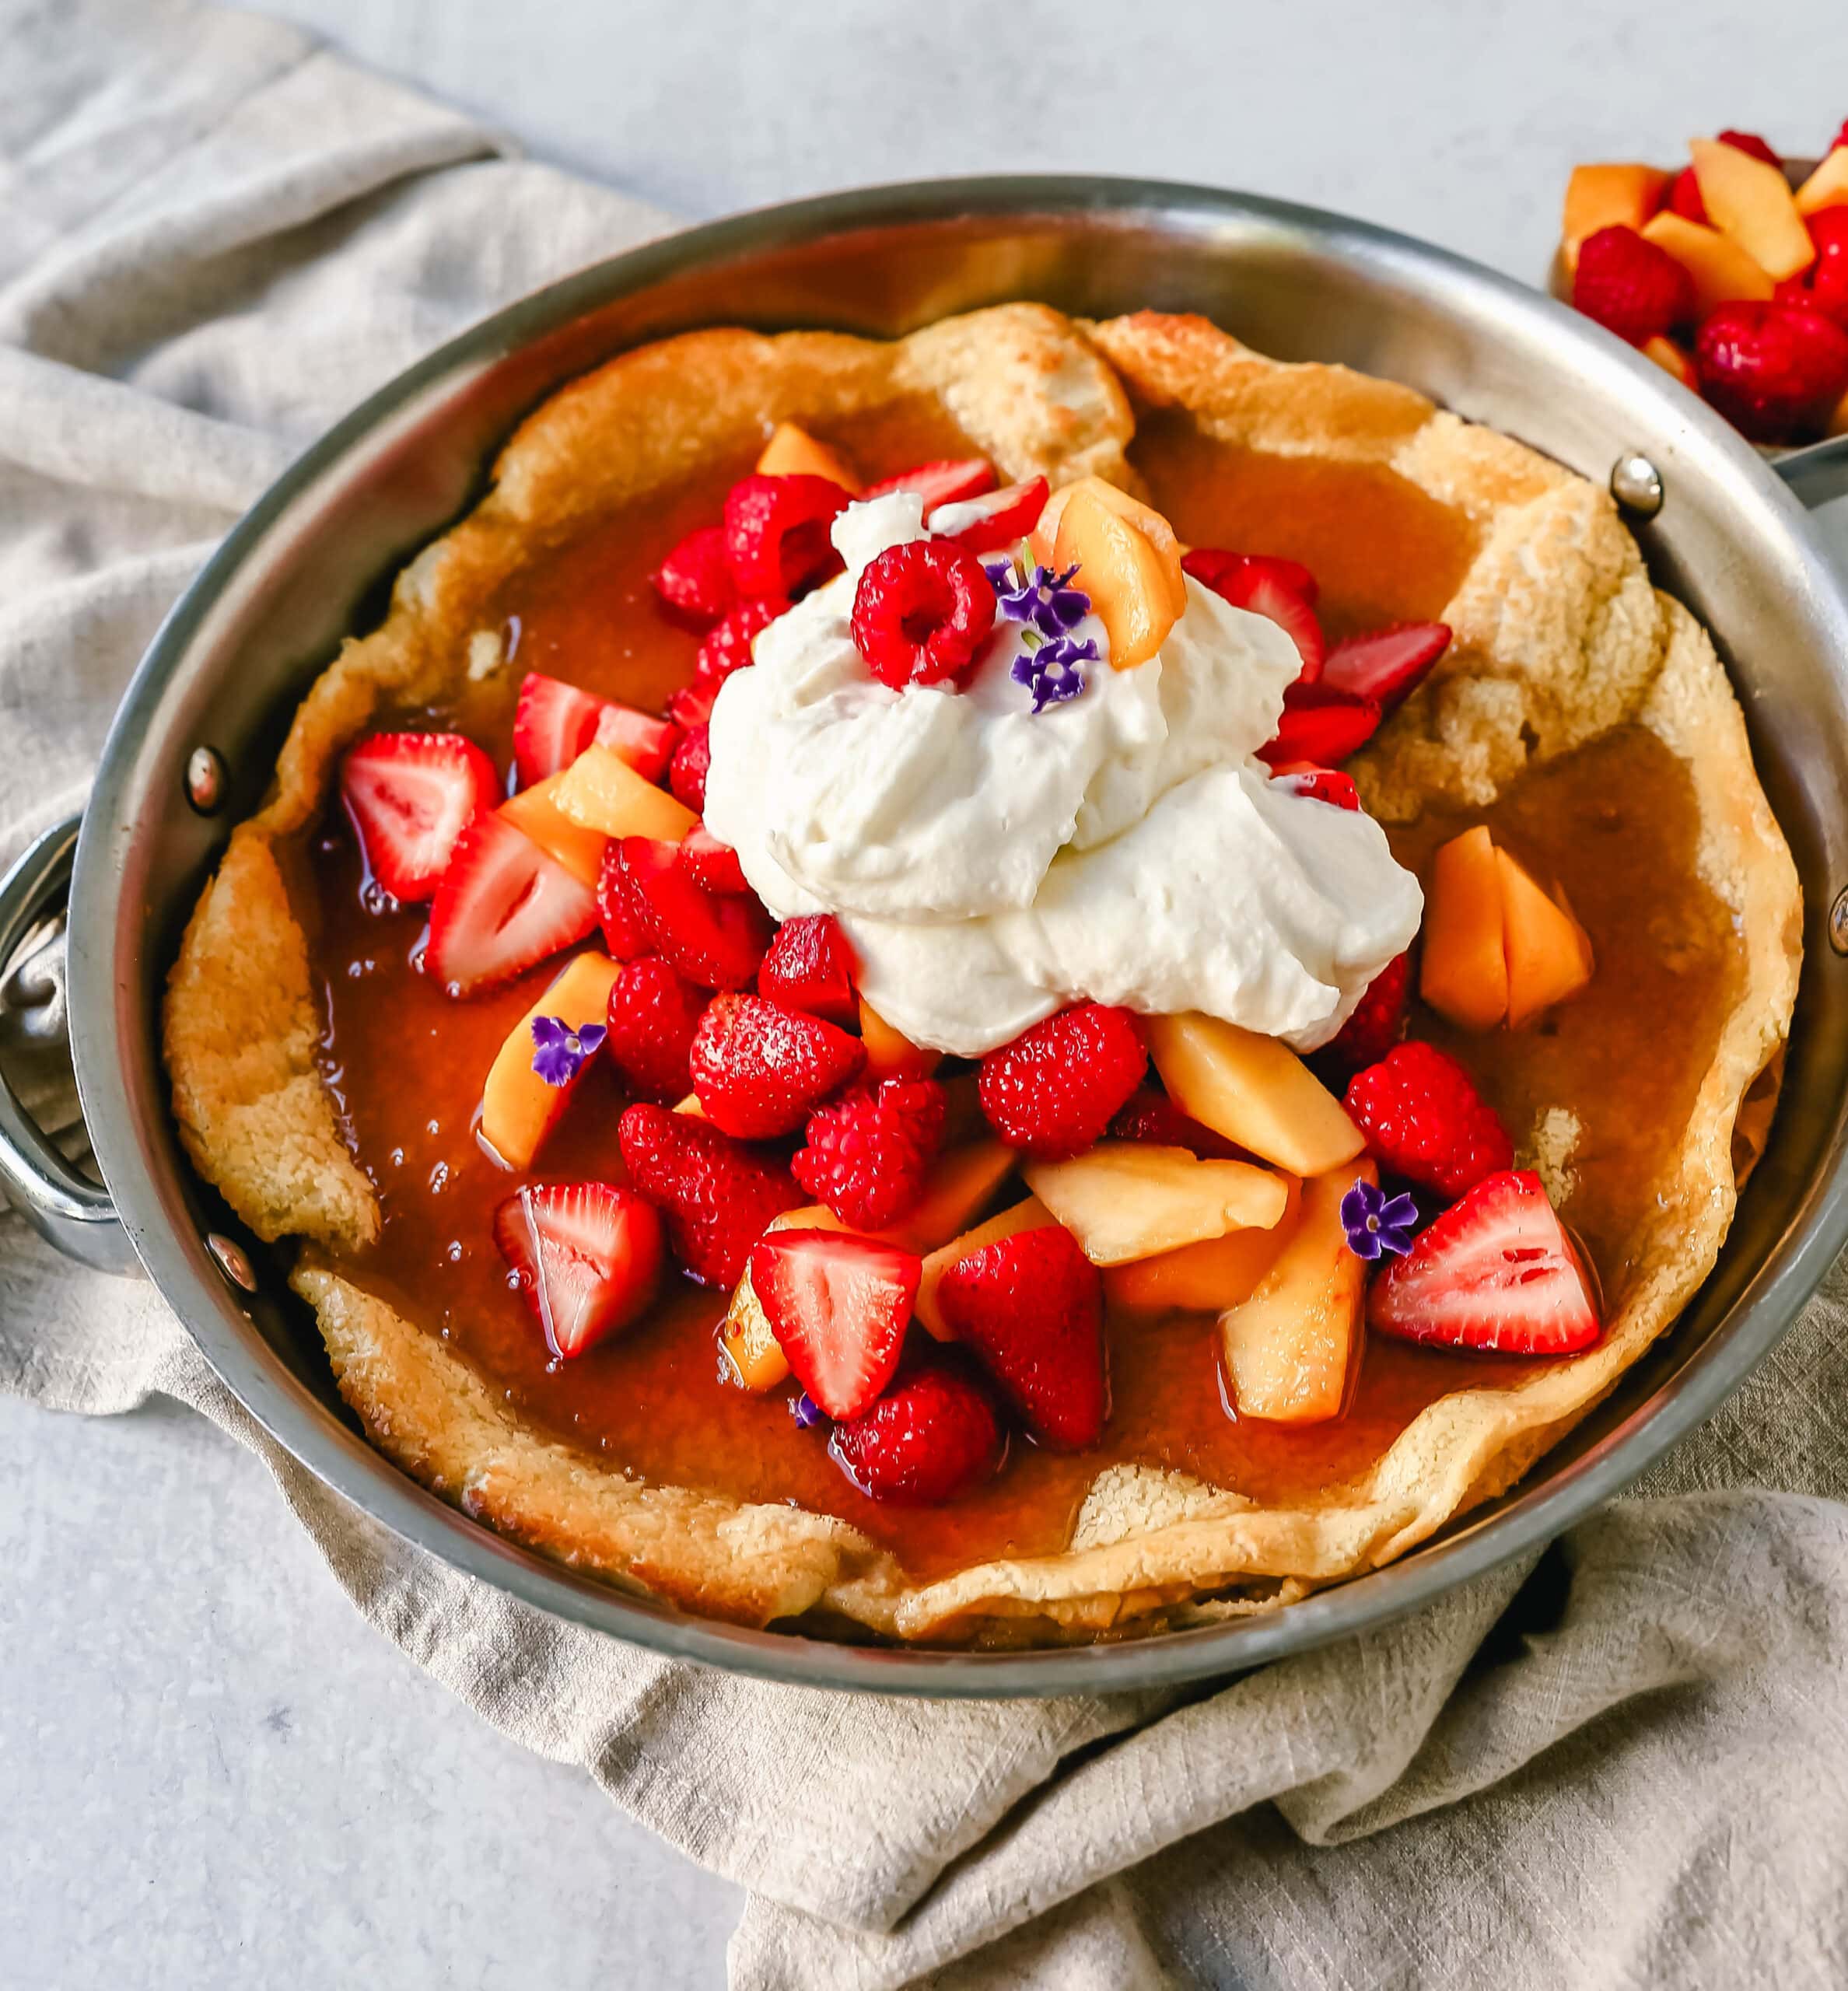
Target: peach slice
{"points": [[1205, 1278], [1837, 424], [1750, 202], [1667, 356], [1127, 578], [1030, 1214], [1130, 1199], [519, 1109], [890, 1053], [1255, 1090], [602, 793], [1464, 972], [1827, 187], [1607, 196], [1721, 270], [1290, 1349], [691, 1106], [963, 1179], [1548, 952], [745, 1340], [1145, 518], [793, 452], [535, 811]]}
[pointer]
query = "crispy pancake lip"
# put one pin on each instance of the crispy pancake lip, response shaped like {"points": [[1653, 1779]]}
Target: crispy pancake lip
{"points": [[1559, 637]]}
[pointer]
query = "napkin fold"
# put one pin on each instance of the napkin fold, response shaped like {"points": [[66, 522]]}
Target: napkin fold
{"points": [[1625, 1761]]}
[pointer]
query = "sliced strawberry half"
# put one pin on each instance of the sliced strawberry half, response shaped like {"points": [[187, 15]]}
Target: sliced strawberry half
{"points": [[947, 481], [717, 1196], [1322, 725], [760, 1069], [1031, 1307], [1256, 588], [1386, 665], [1210, 565], [932, 1436], [553, 723], [997, 519], [810, 966], [1378, 1023], [410, 795], [716, 939], [838, 1306], [645, 742], [1497, 1271], [502, 906], [585, 1257], [714, 864]]}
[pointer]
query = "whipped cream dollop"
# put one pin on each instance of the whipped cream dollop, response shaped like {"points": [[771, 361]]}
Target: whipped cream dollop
{"points": [[991, 865]]}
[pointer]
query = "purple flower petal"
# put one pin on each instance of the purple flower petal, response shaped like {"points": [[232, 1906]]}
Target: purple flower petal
{"points": [[1375, 1223], [806, 1412], [560, 1052]]}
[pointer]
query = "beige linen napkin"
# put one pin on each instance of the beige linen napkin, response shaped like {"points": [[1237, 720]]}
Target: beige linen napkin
{"points": [[1626, 1762]]}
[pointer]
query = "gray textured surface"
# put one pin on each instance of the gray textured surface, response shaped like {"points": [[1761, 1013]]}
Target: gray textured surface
{"points": [[214, 1774]]}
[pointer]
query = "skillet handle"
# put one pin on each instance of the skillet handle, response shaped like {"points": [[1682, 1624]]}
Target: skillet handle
{"points": [[64, 1207], [1818, 473]]}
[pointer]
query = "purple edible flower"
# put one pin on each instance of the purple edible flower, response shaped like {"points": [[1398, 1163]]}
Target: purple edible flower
{"points": [[1375, 1223], [1044, 600], [1052, 670], [560, 1051], [806, 1412]]}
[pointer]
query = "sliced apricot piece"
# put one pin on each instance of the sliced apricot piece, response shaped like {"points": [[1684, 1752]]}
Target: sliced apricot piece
{"points": [[1607, 196], [519, 1109], [960, 1182], [890, 1053], [1205, 1278], [1750, 202], [1118, 567], [601, 791], [1463, 973], [1150, 522], [1670, 357], [1030, 1214], [1127, 1200], [1290, 1349], [793, 452], [1827, 187], [535, 811], [1721, 270], [1255, 1090], [1548, 955]]}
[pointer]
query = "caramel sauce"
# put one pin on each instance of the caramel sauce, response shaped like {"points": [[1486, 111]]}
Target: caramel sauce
{"points": [[1615, 823]]}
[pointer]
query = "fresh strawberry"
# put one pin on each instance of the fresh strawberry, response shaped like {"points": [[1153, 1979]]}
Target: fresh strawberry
{"points": [[1152, 1117], [647, 744], [838, 1306], [810, 966], [1424, 1119], [715, 867], [1829, 277], [1497, 1270], [1684, 196], [695, 579], [691, 704], [553, 723], [716, 940], [945, 482], [760, 1069], [718, 1198], [502, 906], [776, 532], [728, 647], [1053, 1091], [626, 933], [867, 1156], [686, 776], [410, 795], [1031, 1307], [998, 519], [1775, 370], [1631, 285], [653, 1012], [1315, 784], [932, 1436], [1378, 1021], [1254, 584], [1321, 724], [585, 1257], [1209, 565], [921, 612], [1387, 665]]}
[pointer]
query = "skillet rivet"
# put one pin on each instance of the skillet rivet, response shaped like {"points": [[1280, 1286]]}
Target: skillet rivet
{"points": [[1838, 922], [1636, 484], [205, 780], [231, 1260]]}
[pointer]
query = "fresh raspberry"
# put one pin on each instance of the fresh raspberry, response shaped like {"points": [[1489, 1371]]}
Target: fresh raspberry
{"points": [[921, 612], [694, 578], [776, 539], [1054, 1090], [686, 772], [933, 1436], [760, 1069], [1684, 196], [1424, 1119], [809, 967], [1775, 370], [867, 1155], [1378, 1021], [1829, 277], [1151, 1116], [728, 647], [1631, 285], [653, 1012], [717, 1196]]}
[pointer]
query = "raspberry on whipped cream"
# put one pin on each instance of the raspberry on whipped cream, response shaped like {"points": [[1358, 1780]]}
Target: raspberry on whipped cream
{"points": [[991, 864]]}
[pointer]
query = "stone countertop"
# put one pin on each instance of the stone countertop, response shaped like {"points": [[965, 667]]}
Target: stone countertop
{"points": [[214, 1774]]}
